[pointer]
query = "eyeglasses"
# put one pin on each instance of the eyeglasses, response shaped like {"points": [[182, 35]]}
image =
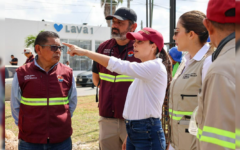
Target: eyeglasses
{"points": [[175, 32], [54, 48]]}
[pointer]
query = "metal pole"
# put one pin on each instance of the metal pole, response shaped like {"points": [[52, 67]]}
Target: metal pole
{"points": [[128, 3], [172, 21], [150, 13], [111, 13], [146, 13], [110, 20]]}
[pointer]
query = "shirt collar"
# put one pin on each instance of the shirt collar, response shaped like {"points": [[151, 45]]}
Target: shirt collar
{"points": [[200, 54], [36, 64]]}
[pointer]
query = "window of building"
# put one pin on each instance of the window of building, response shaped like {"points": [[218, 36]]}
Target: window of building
{"points": [[81, 62], [97, 43], [64, 55]]}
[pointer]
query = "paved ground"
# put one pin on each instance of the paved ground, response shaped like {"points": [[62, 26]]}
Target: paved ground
{"points": [[85, 91]]}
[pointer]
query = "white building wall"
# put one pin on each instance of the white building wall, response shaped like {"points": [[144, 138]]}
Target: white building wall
{"points": [[17, 31]]}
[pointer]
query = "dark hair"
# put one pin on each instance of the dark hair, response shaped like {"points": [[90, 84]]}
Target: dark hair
{"points": [[193, 21], [130, 23], [12, 56], [168, 64], [42, 38], [223, 26]]}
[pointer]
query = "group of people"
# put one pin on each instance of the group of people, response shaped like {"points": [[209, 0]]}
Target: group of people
{"points": [[28, 53], [135, 75]]}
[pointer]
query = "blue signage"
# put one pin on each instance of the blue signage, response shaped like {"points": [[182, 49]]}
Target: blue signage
{"points": [[58, 27]]}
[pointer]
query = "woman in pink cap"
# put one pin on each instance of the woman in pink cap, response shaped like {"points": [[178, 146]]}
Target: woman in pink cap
{"points": [[143, 107]]}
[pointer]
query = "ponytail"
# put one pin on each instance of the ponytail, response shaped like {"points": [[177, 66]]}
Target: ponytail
{"points": [[165, 116], [165, 109]]}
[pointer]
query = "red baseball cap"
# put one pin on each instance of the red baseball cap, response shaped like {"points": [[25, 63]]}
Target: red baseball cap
{"points": [[217, 11], [147, 34], [238, 12]]}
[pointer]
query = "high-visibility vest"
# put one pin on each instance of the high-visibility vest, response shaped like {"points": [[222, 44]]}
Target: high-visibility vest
{"points": [[44, 107], [216, 115], [114, 87], [182, 102]]}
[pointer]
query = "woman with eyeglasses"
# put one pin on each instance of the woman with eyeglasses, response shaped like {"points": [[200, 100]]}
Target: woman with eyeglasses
{"points": [[190, 36], [143, 107]]}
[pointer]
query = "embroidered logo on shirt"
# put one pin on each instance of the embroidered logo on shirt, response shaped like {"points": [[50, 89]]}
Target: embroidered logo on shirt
{"points": [[186, 76], [130, 53], [27, 77], [107, 51], [60, 78], [193, 75]]}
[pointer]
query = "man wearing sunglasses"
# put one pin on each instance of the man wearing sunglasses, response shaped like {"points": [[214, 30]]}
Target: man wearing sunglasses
{"points": [[44, 98]]}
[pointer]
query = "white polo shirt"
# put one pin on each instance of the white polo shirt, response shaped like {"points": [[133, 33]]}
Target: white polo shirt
{"points": [[146, 94]]}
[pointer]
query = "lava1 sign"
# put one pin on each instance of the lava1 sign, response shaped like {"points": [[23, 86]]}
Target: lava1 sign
{"points": [[78, 29]]}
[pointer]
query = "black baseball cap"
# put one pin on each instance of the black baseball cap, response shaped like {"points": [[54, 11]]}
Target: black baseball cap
{"points": [[124, 13]]}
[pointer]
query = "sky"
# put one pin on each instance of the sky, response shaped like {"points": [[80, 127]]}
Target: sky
{"points": [[91, 12]]}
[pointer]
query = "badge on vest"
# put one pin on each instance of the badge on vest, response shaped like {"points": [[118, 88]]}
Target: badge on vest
{"points": [[106, 51], [186, 76], [27, 77], [193, 75], [130, 53], [60, 78]]}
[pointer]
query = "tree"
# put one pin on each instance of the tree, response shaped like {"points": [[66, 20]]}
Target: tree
{"points": [[30, 40], [107, 6]]}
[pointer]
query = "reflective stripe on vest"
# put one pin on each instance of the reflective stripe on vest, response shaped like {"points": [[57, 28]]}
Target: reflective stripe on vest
{"points": [[124, 78], [43, 101], [217, 136], [118, 78], [238, 138], [177, 115]]}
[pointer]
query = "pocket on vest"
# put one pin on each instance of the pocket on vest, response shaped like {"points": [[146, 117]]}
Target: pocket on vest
{"points": [[188, 102], [28, 124], [186, 140]]}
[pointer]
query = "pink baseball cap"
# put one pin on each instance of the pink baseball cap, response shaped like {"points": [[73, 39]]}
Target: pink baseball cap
{"points": [[217, 11], [147, 34]]}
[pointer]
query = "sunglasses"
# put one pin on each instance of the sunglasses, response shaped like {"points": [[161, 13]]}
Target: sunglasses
{"points": [[54, 48], [175, 32]]}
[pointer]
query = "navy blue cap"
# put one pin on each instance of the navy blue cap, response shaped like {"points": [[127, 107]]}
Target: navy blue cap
{"points": [[124, 13]]}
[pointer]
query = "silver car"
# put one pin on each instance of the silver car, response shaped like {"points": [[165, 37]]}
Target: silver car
{"points": [[85, 78], [9, 74]]}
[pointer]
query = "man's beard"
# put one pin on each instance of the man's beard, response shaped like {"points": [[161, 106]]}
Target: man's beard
{"points": [[119, 35]]}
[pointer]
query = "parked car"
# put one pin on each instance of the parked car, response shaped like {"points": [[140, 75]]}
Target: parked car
{"points": [[9, 74], [85, 78]]}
